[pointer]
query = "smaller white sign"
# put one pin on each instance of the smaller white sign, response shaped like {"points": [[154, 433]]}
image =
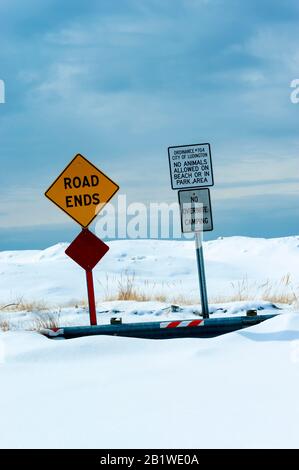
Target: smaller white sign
{"points": [[196, 210], [190, 166]]}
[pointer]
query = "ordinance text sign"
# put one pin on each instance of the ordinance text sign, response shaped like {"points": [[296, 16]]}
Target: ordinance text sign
{"points": [[190, 166]]}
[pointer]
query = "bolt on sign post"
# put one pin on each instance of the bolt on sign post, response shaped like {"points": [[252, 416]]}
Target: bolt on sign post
{"points": [[190, 170], [82, 191]]}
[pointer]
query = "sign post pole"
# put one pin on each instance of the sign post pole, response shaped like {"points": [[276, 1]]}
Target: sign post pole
{"points": [[201, 275], [91, 297]]}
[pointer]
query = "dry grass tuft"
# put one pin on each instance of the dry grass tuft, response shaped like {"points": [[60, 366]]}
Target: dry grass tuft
{"points": [[277, 292], [282, 291], [34, 306], [4, 325], [127, 289], [47, 321], [20, 304]]}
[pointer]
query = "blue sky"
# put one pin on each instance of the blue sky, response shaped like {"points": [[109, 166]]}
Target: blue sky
{"points": [[120, 81]]}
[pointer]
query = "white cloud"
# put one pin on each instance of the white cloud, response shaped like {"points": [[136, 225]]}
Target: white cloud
{"points": [[63, 80], [276, 44], [108, 29]]}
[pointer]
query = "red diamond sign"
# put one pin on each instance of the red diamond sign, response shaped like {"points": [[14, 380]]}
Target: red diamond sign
{"points": [[87, 250]]}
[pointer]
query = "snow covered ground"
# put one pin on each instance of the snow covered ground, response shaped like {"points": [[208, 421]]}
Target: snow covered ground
{"points": [[159, 266], [237, 268], [237, 390]]}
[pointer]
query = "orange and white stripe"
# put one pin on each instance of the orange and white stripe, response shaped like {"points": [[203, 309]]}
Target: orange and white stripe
{"points": [[181, 323]]}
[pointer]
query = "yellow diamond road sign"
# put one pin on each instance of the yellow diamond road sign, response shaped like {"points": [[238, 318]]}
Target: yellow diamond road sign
{"points": [[81, 190]]}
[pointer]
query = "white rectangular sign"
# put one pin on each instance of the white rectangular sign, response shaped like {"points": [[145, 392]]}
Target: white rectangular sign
{"points": [[196, 210], [190, 166]]}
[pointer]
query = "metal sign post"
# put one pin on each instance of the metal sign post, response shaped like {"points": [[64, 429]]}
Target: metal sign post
{"points": [[201, 275], [91, 298]]}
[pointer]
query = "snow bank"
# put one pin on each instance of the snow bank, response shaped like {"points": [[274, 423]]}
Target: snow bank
{"points": [[166, 267], [238, 390]]}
